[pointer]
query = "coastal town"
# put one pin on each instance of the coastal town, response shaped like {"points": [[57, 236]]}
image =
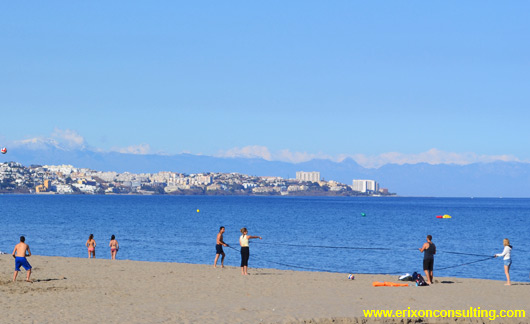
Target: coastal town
{"points": [[67, 179]]}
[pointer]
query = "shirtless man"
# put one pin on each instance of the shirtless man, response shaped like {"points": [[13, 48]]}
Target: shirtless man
{"points": [[219, 248], [19, 253]]}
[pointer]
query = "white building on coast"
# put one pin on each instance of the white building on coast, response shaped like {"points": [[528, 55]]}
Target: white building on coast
{"points": [[366, 186], [308, 176]]}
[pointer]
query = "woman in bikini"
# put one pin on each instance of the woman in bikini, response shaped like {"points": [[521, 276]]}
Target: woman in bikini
{"points": [[114, 247], [91, 245]]}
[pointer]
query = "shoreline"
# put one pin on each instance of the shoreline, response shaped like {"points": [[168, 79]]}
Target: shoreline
{"points": [[294, 268], [123, 291], [211, 194]]}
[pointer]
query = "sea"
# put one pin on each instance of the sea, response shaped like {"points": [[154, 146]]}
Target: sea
{"points": [[333, 234]]}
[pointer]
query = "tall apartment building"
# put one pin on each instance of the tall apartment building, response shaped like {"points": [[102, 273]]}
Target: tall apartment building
{"points": [[308, 176], [203, 179], [365, 186]]}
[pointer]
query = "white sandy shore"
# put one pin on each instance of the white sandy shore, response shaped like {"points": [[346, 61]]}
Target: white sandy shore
{"points": [[73, 290]]}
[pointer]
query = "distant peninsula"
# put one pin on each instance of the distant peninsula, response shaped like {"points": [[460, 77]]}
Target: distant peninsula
{"points": [[67, 179]]}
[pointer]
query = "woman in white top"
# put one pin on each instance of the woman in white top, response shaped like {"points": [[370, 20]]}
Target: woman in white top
{"points": [[506, 253], [245, 252]]}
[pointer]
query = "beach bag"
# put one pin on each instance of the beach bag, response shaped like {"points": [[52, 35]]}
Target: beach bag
{"points": [[420, 281], [414, 276], [406, 277]]}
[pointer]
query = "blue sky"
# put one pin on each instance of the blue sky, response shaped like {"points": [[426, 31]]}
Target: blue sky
{"points": [[379, 81]]}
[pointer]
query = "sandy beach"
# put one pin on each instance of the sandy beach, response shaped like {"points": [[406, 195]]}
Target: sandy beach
{"points": [[68, 290]]}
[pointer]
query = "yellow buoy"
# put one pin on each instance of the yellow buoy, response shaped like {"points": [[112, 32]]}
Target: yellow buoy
{"points": [[447, 216], [198, 210]]}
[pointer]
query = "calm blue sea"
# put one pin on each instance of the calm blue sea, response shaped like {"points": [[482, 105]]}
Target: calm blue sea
{"points": [[169, 228]]}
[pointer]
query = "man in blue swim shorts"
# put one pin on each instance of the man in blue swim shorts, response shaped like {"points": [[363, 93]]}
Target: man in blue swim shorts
{"points": [[20, 253]]}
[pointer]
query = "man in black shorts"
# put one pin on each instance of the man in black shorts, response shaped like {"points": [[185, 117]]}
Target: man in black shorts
{"points": [[219, 248], [429, 250]]}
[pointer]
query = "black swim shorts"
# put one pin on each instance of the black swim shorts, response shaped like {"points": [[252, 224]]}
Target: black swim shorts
{"points": [[219, 249], [428, 264]]}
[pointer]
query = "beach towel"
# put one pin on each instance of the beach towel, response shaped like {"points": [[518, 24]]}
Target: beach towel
{"points": [[388, 284]]}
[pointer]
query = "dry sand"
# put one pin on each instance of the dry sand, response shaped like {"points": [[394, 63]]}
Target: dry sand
{"points": [[73, 290]]}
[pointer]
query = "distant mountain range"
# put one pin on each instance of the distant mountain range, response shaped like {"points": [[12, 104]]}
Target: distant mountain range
{"points": [[496, 179]]}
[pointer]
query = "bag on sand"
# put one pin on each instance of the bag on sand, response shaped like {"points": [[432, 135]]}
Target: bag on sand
{"points": [[420, 281], [406, 277]]}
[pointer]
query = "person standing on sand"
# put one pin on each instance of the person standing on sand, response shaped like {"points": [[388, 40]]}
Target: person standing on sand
{"points": [[507, 254], [429, 250], [19, 253], [219, 248], [114, 247], [91, 245], [245, 251]]}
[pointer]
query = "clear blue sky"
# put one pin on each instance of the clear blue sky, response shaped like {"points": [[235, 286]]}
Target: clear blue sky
{"points": [[317, 77]]}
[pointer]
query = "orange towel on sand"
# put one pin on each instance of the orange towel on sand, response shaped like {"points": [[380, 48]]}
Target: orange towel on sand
{"points": [[388, 284]]}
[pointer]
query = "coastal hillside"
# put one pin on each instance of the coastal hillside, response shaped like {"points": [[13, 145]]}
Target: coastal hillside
{"points": [[495, 179]]}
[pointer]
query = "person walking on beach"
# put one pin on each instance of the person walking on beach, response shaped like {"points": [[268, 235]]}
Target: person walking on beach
{"points": [[219, 248], [91, 245], [506, 253], [114, 247], [20, 253], [429, 250], [245, 252]]}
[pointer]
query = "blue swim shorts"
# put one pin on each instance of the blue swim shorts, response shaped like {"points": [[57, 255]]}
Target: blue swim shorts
{"points": [[508, 262], [22, 261]]}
